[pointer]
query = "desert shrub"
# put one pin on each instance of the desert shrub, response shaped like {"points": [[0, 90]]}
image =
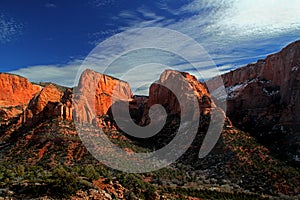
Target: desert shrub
{"points": [[90, 172], [142, 190], [63, 183]]}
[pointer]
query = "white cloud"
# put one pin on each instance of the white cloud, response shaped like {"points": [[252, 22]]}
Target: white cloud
{"points": [[232, 31], [97, 37], [64, 75], [261, 18], [9, 28], [148, 74], [140, 77], [126, 14], [242, 19]]}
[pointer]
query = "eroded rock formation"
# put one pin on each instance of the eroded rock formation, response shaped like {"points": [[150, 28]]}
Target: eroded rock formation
{"points": [[184, 85], [50, 102], [96, 93], [16, 90]]}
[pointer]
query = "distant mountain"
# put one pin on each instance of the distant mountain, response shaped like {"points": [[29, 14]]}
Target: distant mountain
{"points": [[42, 155]]}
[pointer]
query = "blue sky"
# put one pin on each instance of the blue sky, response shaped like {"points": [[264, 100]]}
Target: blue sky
{"points": [[48, 40]]}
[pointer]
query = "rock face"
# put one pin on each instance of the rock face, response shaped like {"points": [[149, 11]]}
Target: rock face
{"points": [[178, 82], [266, 94], [95, 94], [48, 94], [137, 107], [159, 94], [264, 99], [50, 102], [189, 107], [9, 113], [16, 90]]}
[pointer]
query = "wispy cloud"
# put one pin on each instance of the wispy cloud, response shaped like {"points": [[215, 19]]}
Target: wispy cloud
{"points": [[50, 5], [97, 37], [101, 3], [61, 74], [126, 55], [142, 17], [233, 32], [153, 50], [245, 18], [228, 29], [9, 28]]}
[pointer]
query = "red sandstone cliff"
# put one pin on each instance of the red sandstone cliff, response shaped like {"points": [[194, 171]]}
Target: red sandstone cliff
{"points": [[186, 86], [184, 82], [48, 94], [16, 90], [94, 96], [49, 102], [95, 93]]}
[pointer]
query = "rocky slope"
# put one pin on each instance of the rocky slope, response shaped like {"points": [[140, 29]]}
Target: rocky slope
{"points": [[264, 97]]}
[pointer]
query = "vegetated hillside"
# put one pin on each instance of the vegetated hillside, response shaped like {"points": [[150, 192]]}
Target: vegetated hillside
{"points": [[41, 154], [51, 160]]}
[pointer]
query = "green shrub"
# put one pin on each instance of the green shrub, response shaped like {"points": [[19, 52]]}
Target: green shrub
{"points": [[63, 183], [90, 172]]}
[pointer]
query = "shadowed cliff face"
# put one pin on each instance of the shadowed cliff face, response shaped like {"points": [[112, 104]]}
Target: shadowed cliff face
{"points": [[264, 97], [267, 92]]}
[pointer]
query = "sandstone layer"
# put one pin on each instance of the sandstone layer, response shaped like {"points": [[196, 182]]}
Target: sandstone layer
{"points": [[96, 93], [266, 95], [182, 84], [16, 90]]}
